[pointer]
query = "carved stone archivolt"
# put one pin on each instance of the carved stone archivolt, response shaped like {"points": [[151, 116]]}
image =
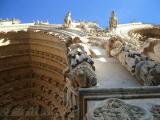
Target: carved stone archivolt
{"points": [[144, 38], [31, 76], [31, 113], [151, 49], [116, 109], [44, 90], [146, 70], [79, 74]]}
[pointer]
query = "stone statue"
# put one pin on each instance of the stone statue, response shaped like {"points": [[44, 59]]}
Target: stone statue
{"points": [[113, 21], [83, 75], [151, 48], [114, 46], [67, 20]]}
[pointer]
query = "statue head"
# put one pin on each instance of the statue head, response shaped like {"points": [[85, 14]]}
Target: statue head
{"points": [[113, 13], [68, 13]]}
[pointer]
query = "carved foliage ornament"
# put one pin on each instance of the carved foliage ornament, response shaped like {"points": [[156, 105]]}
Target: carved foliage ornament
{"points": [[116, 109], [155, 110]]}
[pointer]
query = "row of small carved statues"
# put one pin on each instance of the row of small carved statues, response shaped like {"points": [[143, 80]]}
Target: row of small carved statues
{"points": [[146, 70]]}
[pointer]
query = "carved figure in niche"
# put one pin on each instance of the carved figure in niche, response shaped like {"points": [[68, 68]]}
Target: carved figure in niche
{"points": [[83, 76], [116, 109], [113, 21], [114, 46], [67, 20]]}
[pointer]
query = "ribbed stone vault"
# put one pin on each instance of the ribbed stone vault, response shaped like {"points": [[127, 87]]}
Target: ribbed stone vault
{"points": [[31, 73]]}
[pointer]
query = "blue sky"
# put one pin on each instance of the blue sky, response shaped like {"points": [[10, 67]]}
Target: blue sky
{"points": [[146, 11]]}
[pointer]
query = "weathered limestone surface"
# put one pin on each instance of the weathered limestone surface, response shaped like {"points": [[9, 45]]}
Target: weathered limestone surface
{"points": [[43, 66], [110, 73]]}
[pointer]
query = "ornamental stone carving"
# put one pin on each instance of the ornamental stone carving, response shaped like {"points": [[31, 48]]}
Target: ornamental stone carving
{"points": [[79, 74], [116, 109], [148, 72], [151, 48], [155, 111]]}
